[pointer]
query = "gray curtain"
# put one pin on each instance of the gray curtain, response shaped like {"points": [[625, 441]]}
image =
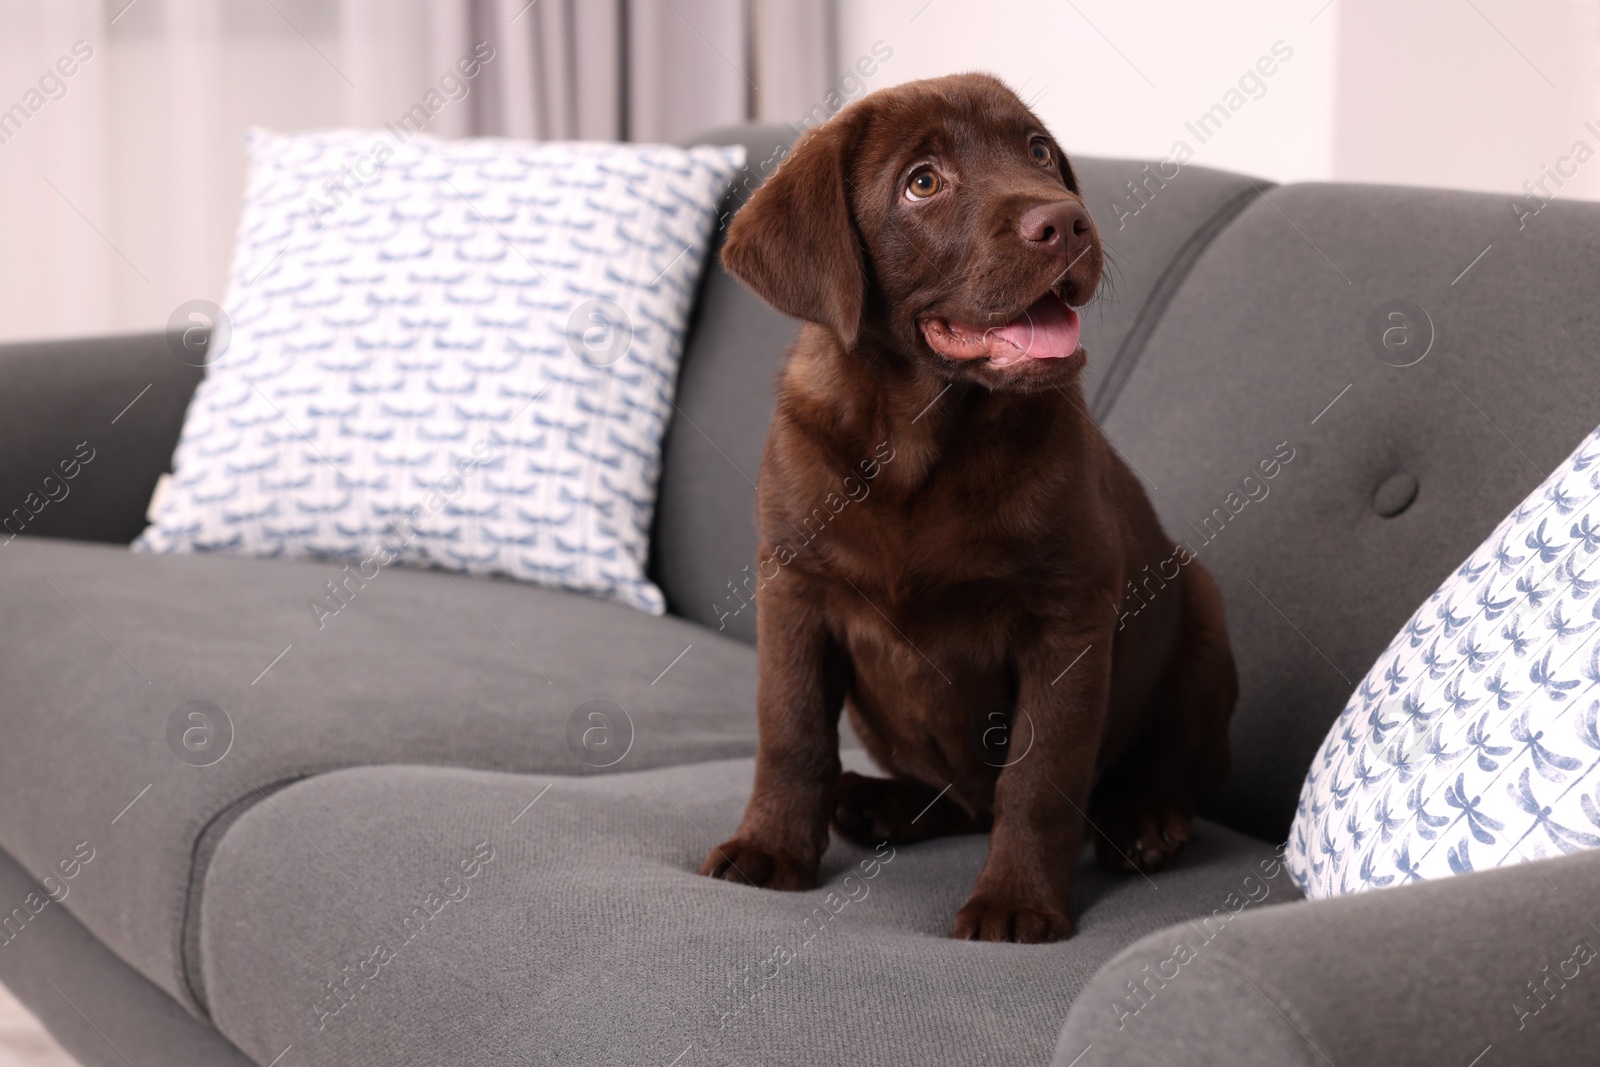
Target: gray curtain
{"points": [[647, 70]]}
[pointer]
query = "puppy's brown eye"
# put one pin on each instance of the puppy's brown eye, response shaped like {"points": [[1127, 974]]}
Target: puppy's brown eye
{"points": [[1041, 152], [923, 184]]}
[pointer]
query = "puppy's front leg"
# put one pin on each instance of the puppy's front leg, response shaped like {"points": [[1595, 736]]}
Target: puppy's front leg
{"points": [[803, 678], [1040, 799]]}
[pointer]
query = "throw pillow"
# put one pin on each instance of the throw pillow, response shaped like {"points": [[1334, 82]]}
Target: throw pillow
{"points": [[1474, 741], [458, 354]]}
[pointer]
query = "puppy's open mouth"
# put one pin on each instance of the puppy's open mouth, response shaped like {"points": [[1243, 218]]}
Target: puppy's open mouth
{"points": [[1046, 330]]}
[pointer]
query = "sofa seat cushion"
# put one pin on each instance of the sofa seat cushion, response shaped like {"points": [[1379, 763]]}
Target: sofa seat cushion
{"points": [[427, 915], [104, 645]]}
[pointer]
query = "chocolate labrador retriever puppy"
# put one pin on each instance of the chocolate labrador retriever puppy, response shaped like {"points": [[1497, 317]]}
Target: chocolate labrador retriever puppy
{"points": [[946, 535]]}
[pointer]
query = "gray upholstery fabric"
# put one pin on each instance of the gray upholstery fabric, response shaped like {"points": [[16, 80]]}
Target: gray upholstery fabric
{"points": [[408, 671], [705, 535], [705, 529], [98, 1008], [1436, 972], [588, 938], [55, 396], [1149, 253], [1266, 331]]}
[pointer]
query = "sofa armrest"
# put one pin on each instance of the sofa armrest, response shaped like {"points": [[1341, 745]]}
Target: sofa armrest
{"points": [[86, 428], [1435, 972]]}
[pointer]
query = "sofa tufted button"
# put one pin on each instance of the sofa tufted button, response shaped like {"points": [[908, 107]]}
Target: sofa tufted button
{"points": [[1395, 494]]}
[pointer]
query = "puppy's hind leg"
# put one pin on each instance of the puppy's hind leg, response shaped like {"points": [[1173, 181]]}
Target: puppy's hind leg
{"points": [[1143, 805], [898, 810]]}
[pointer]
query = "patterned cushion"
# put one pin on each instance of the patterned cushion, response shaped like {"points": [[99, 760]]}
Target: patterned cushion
{"points": [[1474, 741], [455, 354]]}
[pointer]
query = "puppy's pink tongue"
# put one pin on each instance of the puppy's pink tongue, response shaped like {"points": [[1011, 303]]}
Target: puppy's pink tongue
{"points": [[1047, 330]]}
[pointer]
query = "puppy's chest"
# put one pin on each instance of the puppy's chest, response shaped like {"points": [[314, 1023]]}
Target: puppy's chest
{"points": [[930, 544], [932, 579]]}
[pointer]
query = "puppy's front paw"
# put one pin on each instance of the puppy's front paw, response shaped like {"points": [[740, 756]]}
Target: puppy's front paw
{"points": [[870, 811], [740, 860], [991, 918], [1139, 835]]}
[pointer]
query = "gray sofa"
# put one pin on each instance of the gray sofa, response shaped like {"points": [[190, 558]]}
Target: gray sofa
{"points": [[400, 859]]}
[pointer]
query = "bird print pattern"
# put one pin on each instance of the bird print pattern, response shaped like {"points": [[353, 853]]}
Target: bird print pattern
{"points": [[1474, 741], [485, 330]]}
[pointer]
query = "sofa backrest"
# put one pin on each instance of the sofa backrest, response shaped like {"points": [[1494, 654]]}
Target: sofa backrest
{"points": [[1391, 487], [1239, 313], [119, 400]]}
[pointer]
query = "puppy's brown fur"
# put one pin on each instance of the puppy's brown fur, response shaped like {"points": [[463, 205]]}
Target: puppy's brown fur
{"points": [[945, 540]]}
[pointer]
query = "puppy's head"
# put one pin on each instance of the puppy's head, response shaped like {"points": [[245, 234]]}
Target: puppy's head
{"points": [[938, 219]]}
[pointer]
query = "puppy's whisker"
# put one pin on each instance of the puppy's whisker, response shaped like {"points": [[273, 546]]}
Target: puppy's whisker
{"points": [[1108, 294], [1111, 250], [961, 277]]}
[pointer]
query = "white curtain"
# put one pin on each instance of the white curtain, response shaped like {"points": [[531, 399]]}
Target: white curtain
{"points": [[120, 182]]}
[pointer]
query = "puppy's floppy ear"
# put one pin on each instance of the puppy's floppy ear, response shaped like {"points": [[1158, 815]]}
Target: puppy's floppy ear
{"points": [[795, 244]]}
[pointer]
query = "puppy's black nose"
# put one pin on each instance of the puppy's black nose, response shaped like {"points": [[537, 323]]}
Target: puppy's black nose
{"points": [[1060, 226]]}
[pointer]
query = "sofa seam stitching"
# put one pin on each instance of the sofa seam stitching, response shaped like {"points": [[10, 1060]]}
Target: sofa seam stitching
{"points": [[188, 924], [1177, 271]]}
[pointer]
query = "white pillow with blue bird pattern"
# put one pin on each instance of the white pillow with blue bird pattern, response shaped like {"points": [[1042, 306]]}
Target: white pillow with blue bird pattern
{"points": [[457, 354], [1474, 741]]}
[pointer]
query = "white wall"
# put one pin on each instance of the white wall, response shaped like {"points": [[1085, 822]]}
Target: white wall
{"points": [[1116, 78], [1471, 94], [121, 196], [1477, 95]]}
